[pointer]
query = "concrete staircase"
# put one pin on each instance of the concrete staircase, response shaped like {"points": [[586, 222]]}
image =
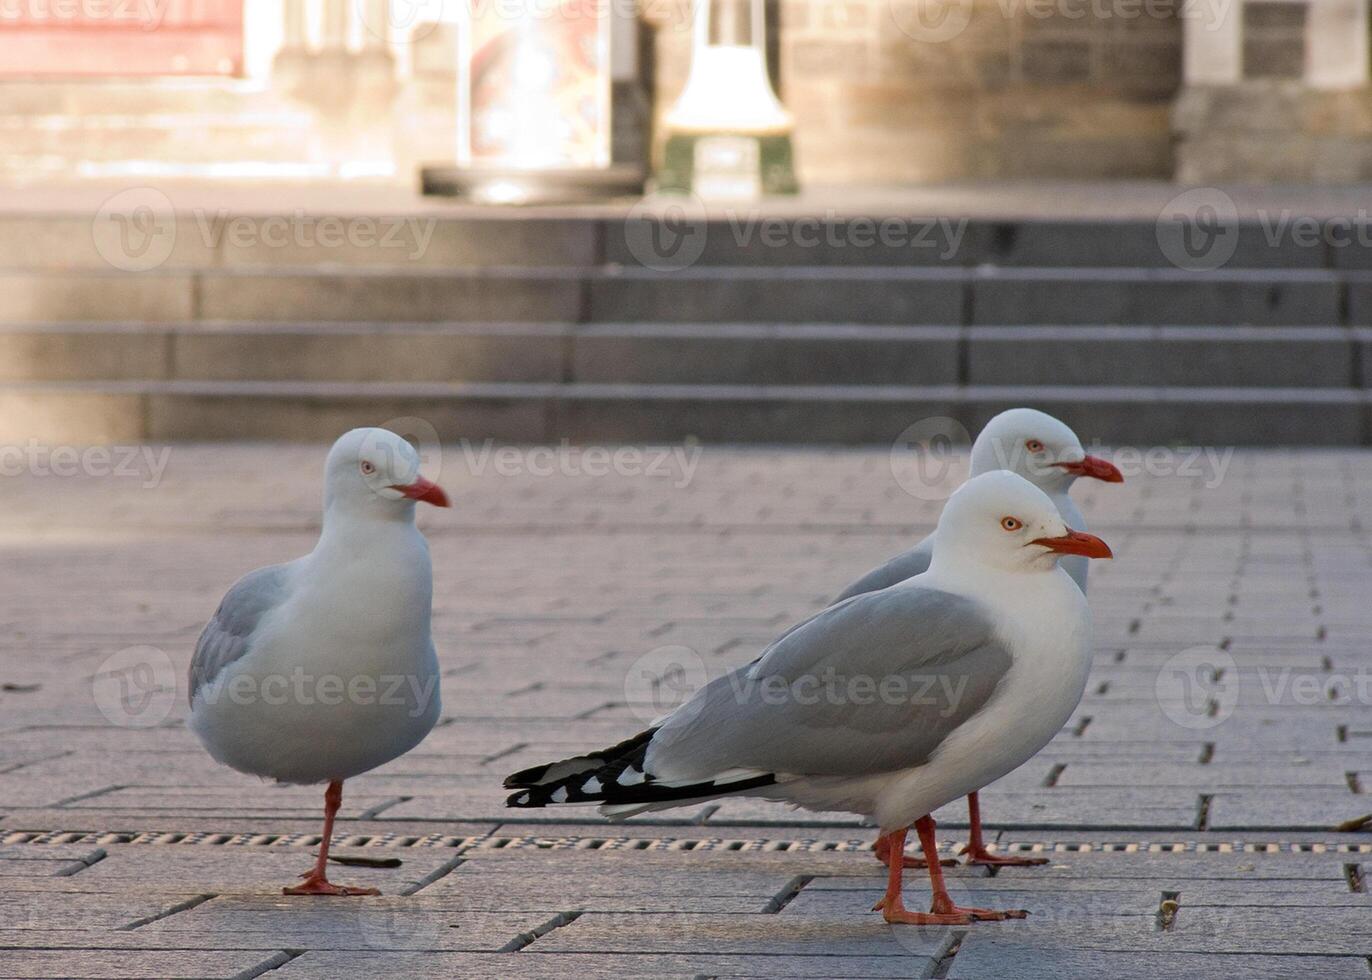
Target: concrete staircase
{"points": [[538, 327]]}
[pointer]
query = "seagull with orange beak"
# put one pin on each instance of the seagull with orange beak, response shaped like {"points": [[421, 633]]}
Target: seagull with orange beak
{"points": [[323, 668], [1047, 453], [1031, 444], [890, 704]]}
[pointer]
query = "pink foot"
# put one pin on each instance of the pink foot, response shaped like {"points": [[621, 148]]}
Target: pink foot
{"points": [[315, 885], [985, 858]]}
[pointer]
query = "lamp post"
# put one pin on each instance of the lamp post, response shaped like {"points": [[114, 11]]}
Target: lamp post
{"points": [[729, 136]]}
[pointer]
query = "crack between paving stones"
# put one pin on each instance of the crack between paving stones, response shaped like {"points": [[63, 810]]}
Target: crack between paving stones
{"points": [[86, 796], [787, 894], [943, 963], [442, 871], [81, 864], [517, 747], [526, 939], [382, 807], [1353, 875], [1203, 811], [269, 966], [167, 913]]}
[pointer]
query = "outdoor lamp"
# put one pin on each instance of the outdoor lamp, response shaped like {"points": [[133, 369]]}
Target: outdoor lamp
{"points": [[729, 136]]}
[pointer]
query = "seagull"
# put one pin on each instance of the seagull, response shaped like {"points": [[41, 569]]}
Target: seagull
{"points": [[1048, 454], [890, 704], [322, 668], [1034, 445]]}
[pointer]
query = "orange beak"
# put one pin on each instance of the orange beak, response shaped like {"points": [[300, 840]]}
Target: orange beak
{"points": [[1094, 467], [1077, 543], [426, 490]]}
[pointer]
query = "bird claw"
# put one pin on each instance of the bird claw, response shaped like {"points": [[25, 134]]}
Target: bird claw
{"points": [[986, 859], [322, 886], [944, 906], [897, 914]]}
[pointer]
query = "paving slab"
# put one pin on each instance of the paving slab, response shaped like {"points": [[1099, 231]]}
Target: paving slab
{"points": [[1213, 780]]}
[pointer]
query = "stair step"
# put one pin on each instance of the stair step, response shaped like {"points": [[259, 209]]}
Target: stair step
{"points": [[743, 354], [1140, 417], [217, 236], [931, 297], [610, 235]]}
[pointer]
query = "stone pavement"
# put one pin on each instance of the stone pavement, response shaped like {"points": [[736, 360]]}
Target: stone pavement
{"points": [[1187, 809]]}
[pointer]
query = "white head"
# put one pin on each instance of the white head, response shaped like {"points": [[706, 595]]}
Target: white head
{"points": [[376, 471], [1003, 521], [1039, 448]]}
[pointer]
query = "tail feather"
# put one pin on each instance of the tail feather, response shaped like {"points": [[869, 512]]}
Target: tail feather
{"points": [[553, 772], [617, 779]]}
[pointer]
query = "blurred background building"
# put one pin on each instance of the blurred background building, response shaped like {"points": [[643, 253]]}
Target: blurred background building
{"points": [[1145, 216], [884, 91]]}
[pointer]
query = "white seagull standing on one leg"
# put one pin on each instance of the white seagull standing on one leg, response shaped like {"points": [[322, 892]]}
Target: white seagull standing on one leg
{"points": [[890, 704], [323, 668], [1048, 454]]}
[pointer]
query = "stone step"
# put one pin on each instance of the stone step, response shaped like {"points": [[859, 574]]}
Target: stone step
{"points": [[218, 235], [78, 413], [590, 235], [906, 297], [739, 354]]}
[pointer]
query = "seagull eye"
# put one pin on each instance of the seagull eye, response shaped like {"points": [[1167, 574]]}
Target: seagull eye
{"points": [[1034, 446], [1011, 523], [368, 468]]}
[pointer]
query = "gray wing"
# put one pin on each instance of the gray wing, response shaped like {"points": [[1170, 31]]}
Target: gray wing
{"points": [[873, 684], [228, 635], [898, 569]]}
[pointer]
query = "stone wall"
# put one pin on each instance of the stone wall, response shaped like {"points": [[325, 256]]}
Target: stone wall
{"points": [[1021, 88]]}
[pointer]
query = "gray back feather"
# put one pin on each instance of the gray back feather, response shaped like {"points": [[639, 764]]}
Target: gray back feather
{"points": [[873, 684], [228, 635], [898, 569]]}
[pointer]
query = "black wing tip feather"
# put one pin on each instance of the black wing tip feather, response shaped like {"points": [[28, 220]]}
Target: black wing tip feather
{"points": [[534, 775], [614, 776]]}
